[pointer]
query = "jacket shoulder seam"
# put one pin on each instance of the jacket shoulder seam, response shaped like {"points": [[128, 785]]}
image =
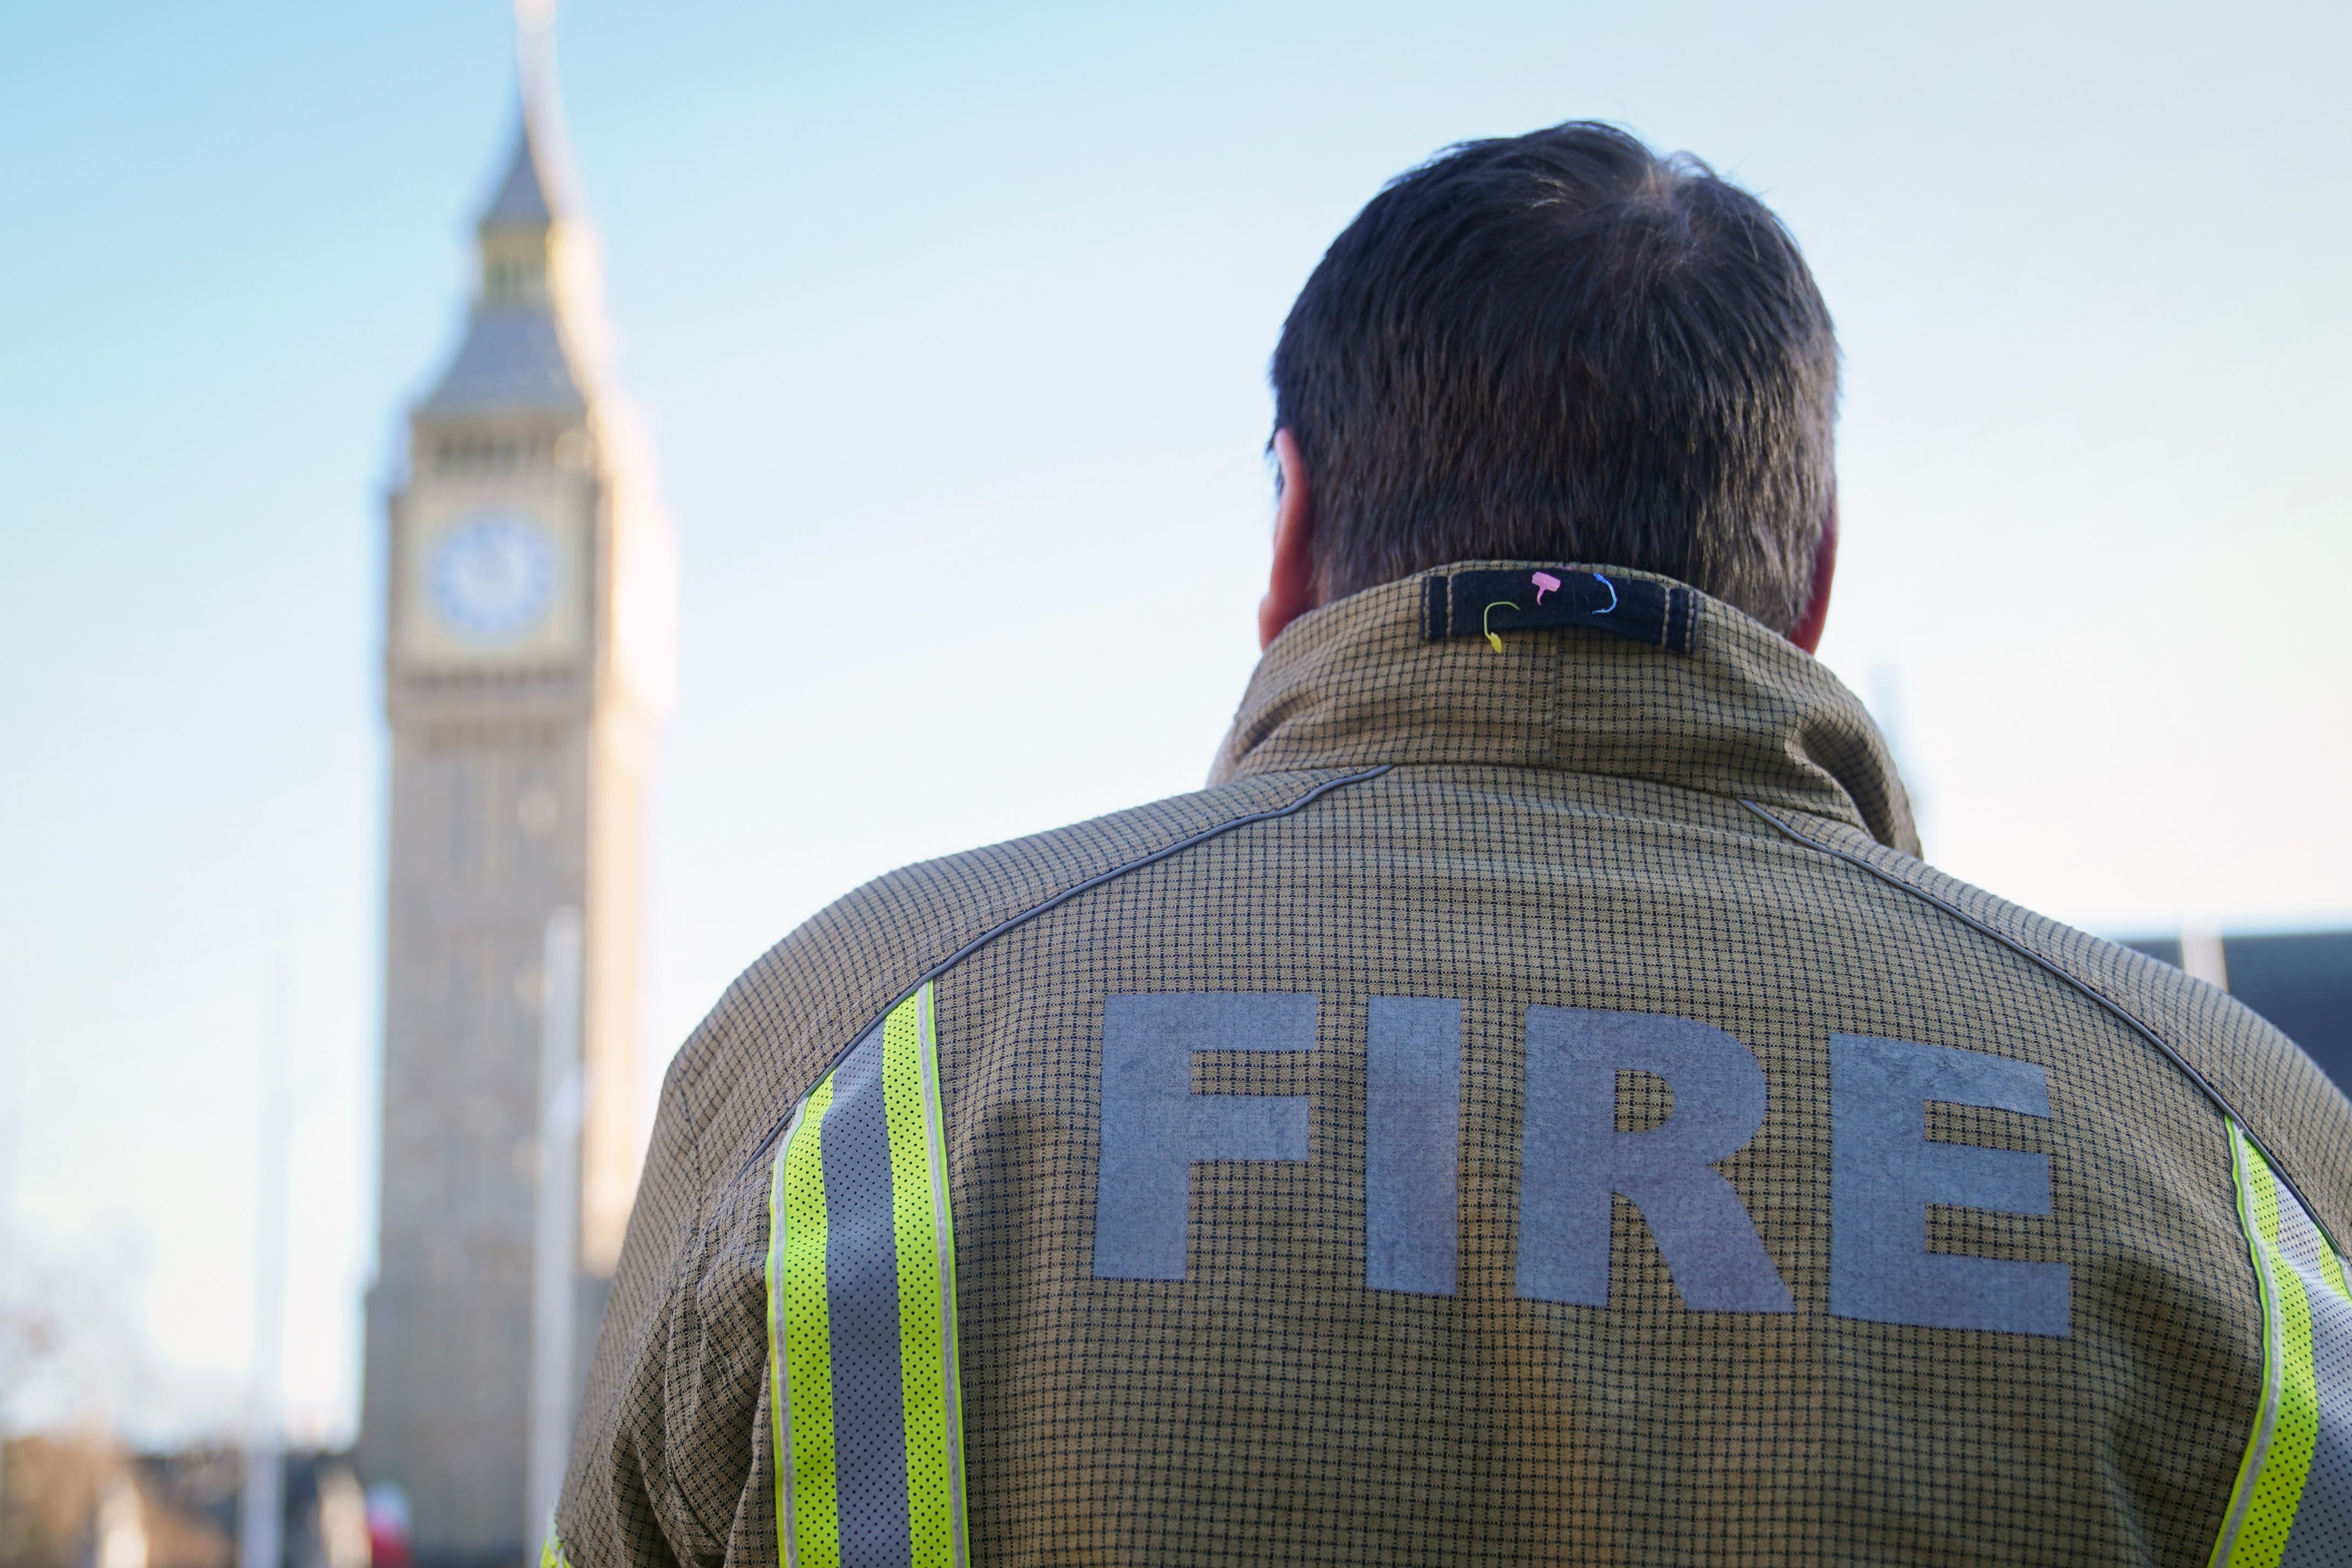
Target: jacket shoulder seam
{"points": [[685, 1267], [1023, 916], [2124, 1015]]}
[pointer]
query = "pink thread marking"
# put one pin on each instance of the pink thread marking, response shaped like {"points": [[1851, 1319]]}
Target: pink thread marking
{"points": [[1545, 583]]}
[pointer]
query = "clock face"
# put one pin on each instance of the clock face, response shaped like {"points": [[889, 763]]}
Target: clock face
{"points": [[492, 576]]}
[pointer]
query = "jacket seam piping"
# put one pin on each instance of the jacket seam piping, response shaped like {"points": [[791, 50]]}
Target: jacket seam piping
{"points": [[1729, 791], [2258, 1443], [688, 1269], [2129, 1019], [1023, 916]]}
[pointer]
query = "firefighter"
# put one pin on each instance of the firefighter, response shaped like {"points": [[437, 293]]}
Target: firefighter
{"points": [[1534, 1105]]}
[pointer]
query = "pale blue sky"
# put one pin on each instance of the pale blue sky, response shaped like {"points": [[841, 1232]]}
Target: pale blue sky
{"points": [[983, 303]]}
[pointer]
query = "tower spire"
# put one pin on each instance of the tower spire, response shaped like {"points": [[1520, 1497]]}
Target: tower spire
{"points": [[532, 192], [535, 54], [536, 337]]}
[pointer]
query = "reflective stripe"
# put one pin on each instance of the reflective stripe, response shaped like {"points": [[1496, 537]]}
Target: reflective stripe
{"points": [[926, 1271], [2293, 1501], [802, 1337], [861, 1280], [865, 1404], [2331, 1268]]}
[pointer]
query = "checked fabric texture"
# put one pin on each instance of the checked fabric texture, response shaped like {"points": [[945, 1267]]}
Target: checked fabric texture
{"points": [[1564, 825]]}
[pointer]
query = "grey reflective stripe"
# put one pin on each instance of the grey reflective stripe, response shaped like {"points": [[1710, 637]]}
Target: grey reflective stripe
{"points": [[865, 1394], [2322, 1521], [950, 1382], [2293, 1501], [2323, 1517], [1412, 1134], [861, 1275]]}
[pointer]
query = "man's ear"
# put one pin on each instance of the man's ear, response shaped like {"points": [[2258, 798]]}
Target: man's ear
{"points": [[1290, 588], [1807, 633]]}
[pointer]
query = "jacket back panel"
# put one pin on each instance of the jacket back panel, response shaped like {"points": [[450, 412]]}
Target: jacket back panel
{"points": [[1271, 1406], [1563, 832]]}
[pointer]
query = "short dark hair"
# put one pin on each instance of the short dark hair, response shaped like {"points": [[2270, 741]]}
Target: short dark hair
{"points": [[1563, 347]]}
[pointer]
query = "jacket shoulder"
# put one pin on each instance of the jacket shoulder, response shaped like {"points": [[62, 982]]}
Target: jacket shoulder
{"points": [[668, 1437], [783, 1021], [2267, 1081]]}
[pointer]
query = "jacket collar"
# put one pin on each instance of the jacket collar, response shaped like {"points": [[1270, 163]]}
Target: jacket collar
{"points": [[1743, 713]]}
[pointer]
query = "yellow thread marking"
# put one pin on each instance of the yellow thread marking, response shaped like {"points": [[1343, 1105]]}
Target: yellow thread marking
{"points": [[1485, 622]]}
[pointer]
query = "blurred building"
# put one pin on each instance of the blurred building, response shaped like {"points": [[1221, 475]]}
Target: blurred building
{"points": [[2300, 980], [526, 643], [81, 1501]]}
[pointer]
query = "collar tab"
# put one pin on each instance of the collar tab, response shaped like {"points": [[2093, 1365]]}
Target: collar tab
{"points": [[1487, 603], [1383, 676]]}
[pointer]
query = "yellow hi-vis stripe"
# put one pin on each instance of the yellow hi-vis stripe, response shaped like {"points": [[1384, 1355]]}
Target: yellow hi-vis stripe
{"points": [[807, 1512], [807, 1221], [2331, 1267], [919, 1218], [2277, 1462]]}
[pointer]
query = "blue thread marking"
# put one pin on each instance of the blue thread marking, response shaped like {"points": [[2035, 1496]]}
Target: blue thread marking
{"points": [[1613, 593]]}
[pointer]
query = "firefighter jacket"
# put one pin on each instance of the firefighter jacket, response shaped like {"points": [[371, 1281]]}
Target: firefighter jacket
{"points": [[1534, 1106]]}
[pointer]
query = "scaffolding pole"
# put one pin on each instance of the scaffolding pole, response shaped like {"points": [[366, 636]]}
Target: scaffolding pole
{"points": [[555, 1241], [261, 1500]]}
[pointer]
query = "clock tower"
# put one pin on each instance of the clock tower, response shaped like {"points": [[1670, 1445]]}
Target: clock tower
{"points": [[526, 649]]}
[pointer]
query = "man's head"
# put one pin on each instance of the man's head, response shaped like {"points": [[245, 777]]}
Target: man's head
{"points": [[1562, 347]]}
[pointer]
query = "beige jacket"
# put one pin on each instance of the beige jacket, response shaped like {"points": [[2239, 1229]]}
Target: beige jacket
{"points": [[1533, 1107]]}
